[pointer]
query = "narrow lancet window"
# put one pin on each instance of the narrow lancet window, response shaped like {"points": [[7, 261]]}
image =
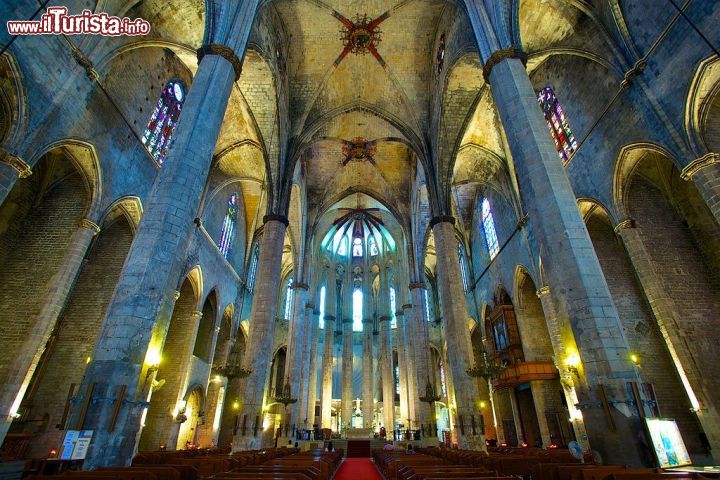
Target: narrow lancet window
{"points": [[227, 233], [489, 228], [557, 123], [161, 126]]}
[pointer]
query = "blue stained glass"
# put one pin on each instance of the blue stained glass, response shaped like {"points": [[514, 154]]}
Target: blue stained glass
{"points": [[489, 228], [161, 126], [227, 233], [557, 123]]}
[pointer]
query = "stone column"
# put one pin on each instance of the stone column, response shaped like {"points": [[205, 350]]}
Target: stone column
{"points": [[454, 310], [312, 372], [28, 358], [303, 393], [346, 396], [139, 313], [327, 361], [402, 366], [411, 372], [258, 352], [12, 167], [296, 345], [562, 241], [689, 366], [421, 343], [562, 340], [386, 352], [368, 374], [705, 173]]}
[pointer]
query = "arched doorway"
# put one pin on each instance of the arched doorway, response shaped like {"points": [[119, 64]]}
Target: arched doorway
{"points": [[191, 410], [161, 422]]}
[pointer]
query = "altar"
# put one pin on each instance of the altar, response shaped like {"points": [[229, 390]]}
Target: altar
{"points": [[358, 433]]}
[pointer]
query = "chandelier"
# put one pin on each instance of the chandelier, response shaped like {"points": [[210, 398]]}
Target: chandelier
{"points": [[485, 369], [286, 397], [431, 395]]}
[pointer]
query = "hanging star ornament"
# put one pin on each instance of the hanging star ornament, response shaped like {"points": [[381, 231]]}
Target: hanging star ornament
{"points": [[361, 36], [359, 149]]}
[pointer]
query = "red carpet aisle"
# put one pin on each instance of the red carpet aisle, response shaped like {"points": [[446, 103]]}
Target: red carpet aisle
{"points": [[357, 469]]}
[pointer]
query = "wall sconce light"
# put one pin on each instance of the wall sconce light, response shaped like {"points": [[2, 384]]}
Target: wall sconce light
{"points": [[152, 359], [482, 404], [635, 359], [572, 362]]}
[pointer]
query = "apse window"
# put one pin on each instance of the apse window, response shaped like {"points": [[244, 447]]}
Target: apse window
{"points": [[227, 233], [357, 310], [557, 123], [342, 249], [372, 246], [357, 250], [489, 227], [393, 320], [322, 308], [289, 298], [161, 126]]}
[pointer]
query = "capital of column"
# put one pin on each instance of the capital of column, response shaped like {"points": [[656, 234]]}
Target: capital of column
{"points": [[543, 291], [15, 162], [176, 294], [407, 306], [347, 320], [196, 314], [330, 317], [276, 218], [384, 318], [399, 313], [367, 320], [415, 285], [90, 225], [625, 224], [499, 55], [442, 219], [223, 51], [310, 306], [698, 164], [300, 286]]}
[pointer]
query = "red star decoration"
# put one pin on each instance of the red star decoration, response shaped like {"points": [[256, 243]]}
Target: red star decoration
{"points": [[360, 36]]}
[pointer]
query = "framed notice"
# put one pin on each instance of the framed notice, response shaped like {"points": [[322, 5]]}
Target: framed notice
{"points": [[667, 443], [75, 444]]}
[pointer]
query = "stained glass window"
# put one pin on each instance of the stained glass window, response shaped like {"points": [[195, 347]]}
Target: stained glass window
{"points": [[357, 310], [427, 305], [161, 126], [252, 270], [372, 246], [227, 233], [440, 59], [393, 320], [289, 298], [557, 123], [342, 249], [463, 267], [322, 307], [489, 228], [357, 250], [397, 379], [443, 384]]}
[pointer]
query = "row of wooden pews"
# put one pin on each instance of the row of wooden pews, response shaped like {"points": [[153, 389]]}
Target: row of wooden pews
{"points": [[310, 465], [180, 465], [398, 465], [551, 464]]}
